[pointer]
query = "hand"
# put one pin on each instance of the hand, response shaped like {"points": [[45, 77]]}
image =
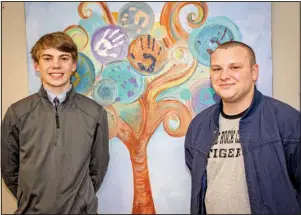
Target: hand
{"points": [[212, 41], [138, 15], [145, 53], [107, 43]]}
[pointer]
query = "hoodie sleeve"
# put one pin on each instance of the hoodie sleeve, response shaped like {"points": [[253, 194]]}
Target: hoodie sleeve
{"points": [[100, 151], [10, 150]]}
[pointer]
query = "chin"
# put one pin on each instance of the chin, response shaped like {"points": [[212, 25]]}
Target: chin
{"points": [[58, 83], [226, 96]]}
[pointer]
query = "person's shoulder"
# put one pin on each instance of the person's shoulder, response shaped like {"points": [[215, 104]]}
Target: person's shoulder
{"points": [[287, 117], [88, 105], [25, 105], [280, 108], [86, 101]]}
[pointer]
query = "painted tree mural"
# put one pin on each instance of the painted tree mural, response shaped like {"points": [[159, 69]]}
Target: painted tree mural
{"points": [[148, 64], [146, 72]]}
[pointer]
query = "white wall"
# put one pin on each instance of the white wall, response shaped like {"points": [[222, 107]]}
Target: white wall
{"points": [[286, 52]]}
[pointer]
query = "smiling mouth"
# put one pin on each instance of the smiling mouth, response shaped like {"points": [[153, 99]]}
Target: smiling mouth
{"points": [[226, 85], [56, 75]]}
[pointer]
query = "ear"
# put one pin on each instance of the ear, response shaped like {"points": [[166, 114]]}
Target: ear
{"points": [[74, 66], [36, 66], [255, 72]]}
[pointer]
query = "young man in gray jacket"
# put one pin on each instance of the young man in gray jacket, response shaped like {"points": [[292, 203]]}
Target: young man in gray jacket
{"points": [[55, 142]]}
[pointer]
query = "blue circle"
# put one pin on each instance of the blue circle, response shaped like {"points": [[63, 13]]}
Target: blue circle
{"points": [[85, 76], [105, 92], [205, 39], [130, 84]]}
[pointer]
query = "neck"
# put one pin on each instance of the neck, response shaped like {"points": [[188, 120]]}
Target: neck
{"points": [[57, 90], [234, 108]]}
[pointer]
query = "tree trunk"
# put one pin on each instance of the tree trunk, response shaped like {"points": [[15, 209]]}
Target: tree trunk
{"points": [[143, 201]]}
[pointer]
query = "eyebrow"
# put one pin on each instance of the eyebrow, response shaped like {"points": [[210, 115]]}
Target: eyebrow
{"points": [[236, 64], [49, 55], [231, 64]]}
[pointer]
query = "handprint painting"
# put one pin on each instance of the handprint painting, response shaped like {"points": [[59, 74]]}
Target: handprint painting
{"points": [[148, 63]]}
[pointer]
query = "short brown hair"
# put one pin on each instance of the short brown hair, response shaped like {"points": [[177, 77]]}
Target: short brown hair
{"points": [[232, 43], [58, 40]]}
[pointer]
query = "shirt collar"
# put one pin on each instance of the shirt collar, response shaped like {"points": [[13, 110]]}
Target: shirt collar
{"points": [[257, 98], [61, 96]]}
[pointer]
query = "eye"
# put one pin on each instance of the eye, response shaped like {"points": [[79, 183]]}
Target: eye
{"points": [[234, 67], [216, 69], [46, 58], [65, 58]]}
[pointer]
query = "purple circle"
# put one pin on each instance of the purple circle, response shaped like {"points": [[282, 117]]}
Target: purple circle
{"points": [[109, 44], [203, 97]]}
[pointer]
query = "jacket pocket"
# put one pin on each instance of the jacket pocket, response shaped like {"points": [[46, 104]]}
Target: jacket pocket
{"points": [[90, 198], [20, 201], [79, 206], [85, 200], [19, 196]]}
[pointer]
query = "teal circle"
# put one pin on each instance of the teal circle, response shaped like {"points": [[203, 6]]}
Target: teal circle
{"points": [[216, 30], [130, 84], [105, 92], [185, 94]]}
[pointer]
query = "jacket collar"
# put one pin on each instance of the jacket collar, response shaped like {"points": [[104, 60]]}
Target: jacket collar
{"points": [[257, 98], [70, 94]]}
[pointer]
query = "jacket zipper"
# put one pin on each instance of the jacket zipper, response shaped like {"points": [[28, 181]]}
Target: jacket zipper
{"points": [[57, 119]]}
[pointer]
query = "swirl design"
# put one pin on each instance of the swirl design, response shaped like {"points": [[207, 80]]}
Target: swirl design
{"points": [[84, 12], [171, 21], [78, 35]]}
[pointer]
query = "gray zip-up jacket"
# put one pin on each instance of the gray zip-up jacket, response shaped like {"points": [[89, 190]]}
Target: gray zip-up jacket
{"points": [[54, 161]]}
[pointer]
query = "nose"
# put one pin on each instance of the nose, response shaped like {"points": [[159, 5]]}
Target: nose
{"points": [[225, 74], [56, 64]]}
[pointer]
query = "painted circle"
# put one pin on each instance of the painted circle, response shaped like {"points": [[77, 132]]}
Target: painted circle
{"points": [[180, 54], [147, 55], [136, 18], [205, 39], [109, 44], [105, 92], [130, 85], [158, 31], [85, 74], [78, 35], [203, 96]]}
